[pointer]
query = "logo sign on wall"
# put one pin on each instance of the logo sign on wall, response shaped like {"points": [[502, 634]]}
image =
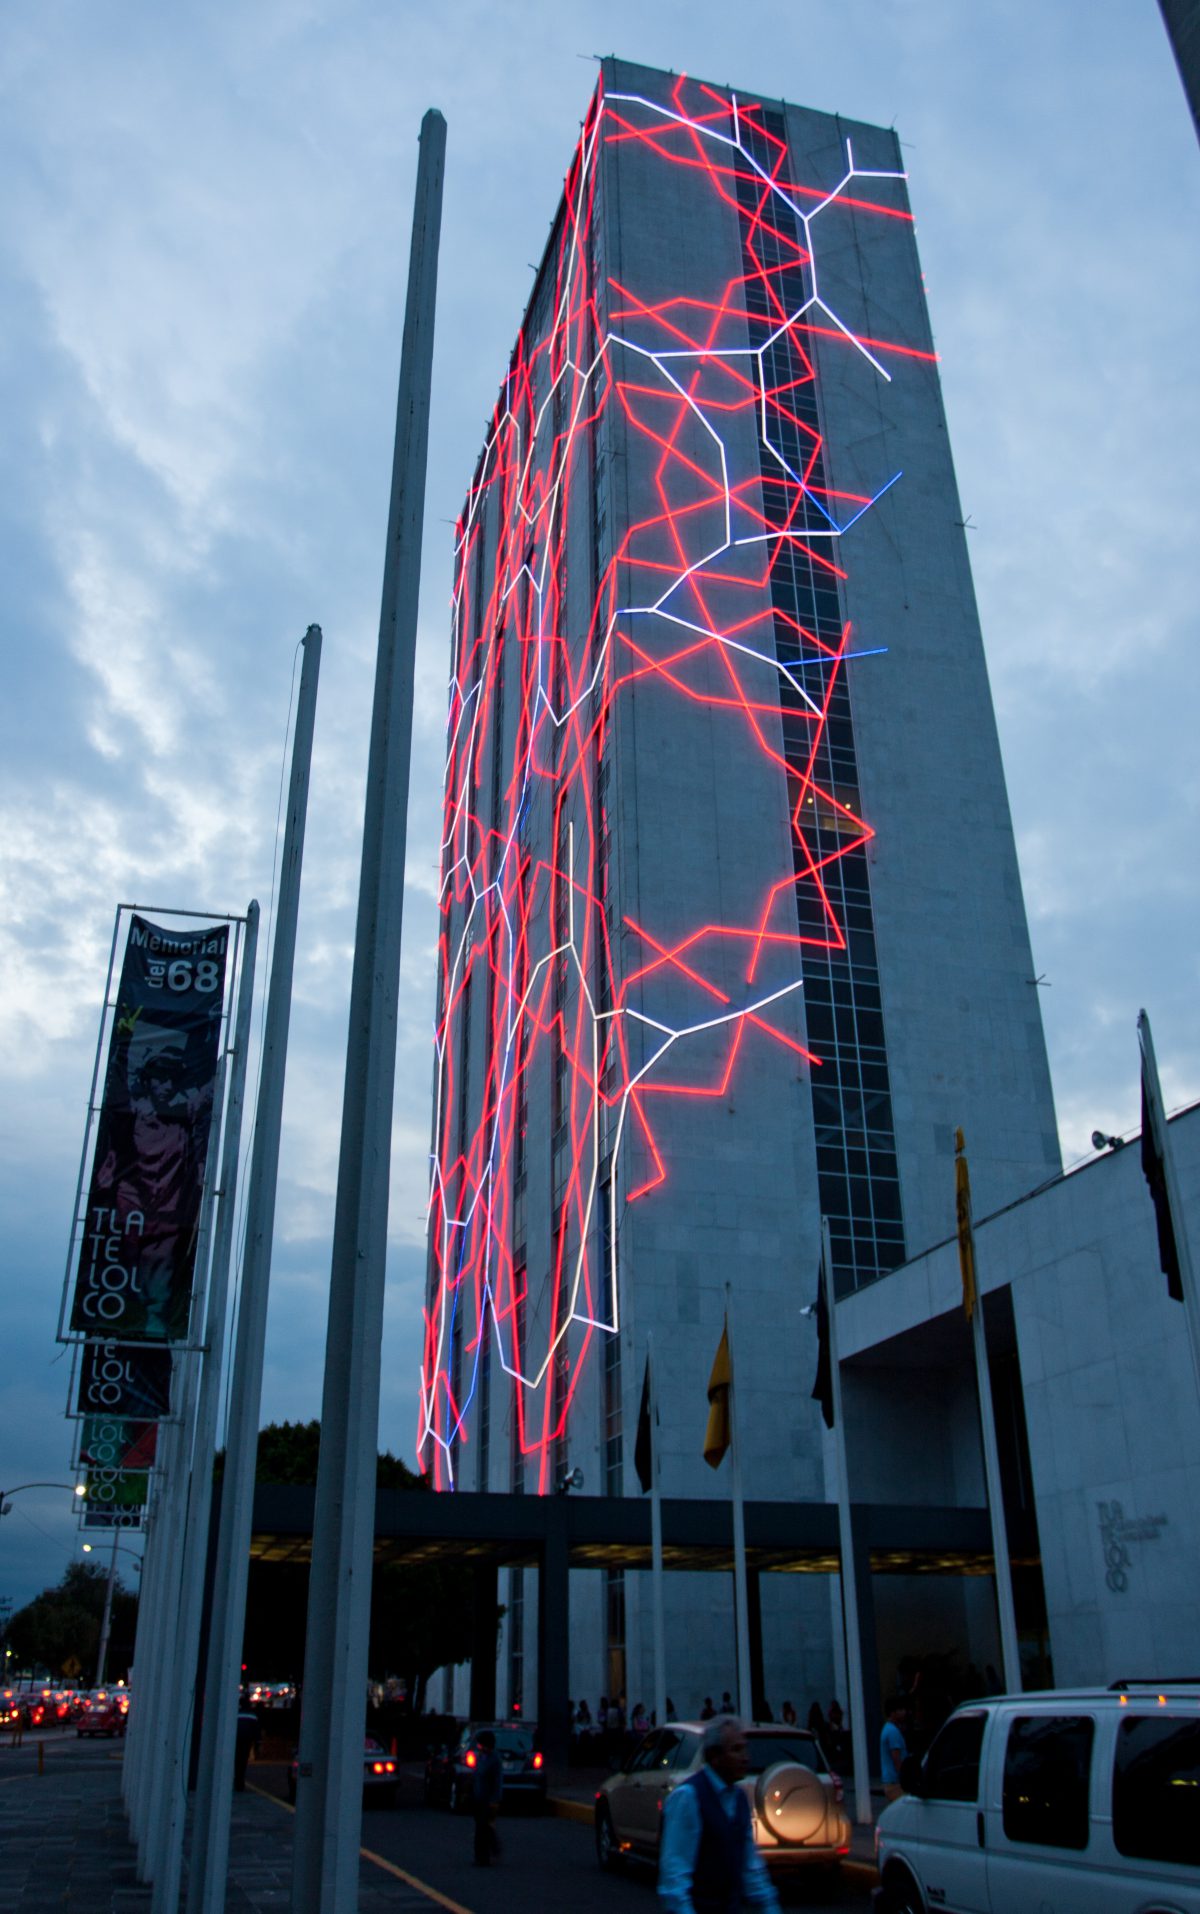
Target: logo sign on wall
{"points": [[137, 1254], [123, 1382]]}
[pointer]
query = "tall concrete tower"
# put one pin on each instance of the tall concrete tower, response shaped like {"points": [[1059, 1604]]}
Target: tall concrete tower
{"points": [[732, 934]]}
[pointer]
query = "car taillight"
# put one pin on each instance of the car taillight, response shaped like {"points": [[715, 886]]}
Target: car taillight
{"points": [[471, 1758], [377, 1767], [389, 1767], [537, 1760]]}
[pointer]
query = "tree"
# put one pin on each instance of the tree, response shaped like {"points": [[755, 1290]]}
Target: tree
{"points": [[63, 1623], [422, 1614]]}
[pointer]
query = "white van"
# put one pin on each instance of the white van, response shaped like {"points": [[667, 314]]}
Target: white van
{"points": [[1063, 1802]]}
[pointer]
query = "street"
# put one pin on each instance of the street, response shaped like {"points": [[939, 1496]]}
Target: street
{"points": [[547, 1862]]}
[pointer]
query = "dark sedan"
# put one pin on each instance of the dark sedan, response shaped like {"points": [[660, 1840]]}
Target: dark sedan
{"points": [[449, 1771]]}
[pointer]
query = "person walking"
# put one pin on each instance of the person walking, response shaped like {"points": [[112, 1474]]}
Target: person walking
{"points": [[487, 1784], [249, 1728], [893, 1750], [707, 1860]]}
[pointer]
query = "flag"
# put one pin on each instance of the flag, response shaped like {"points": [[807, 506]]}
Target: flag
{"points": [[643, 1448], [1154, 1170], [966, 1241], [822, 1389], [717, 1434]]}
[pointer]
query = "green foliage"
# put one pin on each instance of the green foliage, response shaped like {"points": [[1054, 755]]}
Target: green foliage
{"points": [[421, 1613], [63, 1623]]}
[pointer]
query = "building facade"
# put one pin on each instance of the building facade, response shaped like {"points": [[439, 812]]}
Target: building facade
{"points": [[732, 935]]}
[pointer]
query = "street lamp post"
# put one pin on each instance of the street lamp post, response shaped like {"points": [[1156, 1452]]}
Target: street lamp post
{"points": [[106, 1623], [76, 1488]]}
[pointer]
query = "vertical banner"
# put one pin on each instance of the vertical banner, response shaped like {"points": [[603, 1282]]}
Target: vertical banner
{"points": [[123, 1382], [137, 1256]]}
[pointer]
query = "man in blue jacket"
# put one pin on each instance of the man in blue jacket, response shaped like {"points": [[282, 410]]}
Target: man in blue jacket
{"points": [[707, 1862]]}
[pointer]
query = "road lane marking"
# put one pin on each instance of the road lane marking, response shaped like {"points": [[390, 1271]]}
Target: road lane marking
{"points": [[377, 1860]]}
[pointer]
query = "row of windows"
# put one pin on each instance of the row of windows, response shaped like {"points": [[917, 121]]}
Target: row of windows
{"points": [[857, 1178], [1047, 1781]]}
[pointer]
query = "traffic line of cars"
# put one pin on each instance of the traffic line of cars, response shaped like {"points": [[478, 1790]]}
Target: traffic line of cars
{"points": [[94, 1711]]}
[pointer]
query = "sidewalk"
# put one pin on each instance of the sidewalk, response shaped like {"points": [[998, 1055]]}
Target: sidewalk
{"points": [[65, 1844]]}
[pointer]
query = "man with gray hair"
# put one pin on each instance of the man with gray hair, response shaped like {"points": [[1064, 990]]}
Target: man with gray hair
{"points": [[707, 1860]]}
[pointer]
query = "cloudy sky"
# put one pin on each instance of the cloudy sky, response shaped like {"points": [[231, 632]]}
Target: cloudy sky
{"points": [[203, 243]]}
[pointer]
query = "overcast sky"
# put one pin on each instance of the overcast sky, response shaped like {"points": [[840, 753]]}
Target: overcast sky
{"points": [[204, 223]]}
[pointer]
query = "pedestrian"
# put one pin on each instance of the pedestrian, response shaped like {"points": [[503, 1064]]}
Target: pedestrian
{"points": [[817, 1724], [487, 1782], [708, 1712], [671, 1715], [726, 1707], [893, 1750], [246, 1743], [788, 1715], [639, 1720], [838, 1744], [707, 1860]]}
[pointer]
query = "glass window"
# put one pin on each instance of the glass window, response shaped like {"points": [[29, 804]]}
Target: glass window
{"points": [[766, 1750], [666, 1749], [1046, 1768], [951, 1767], [646, 1755], [1156, 1789]]}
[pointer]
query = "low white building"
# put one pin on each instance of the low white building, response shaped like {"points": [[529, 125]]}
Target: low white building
{"points": [[1098, 1412]]}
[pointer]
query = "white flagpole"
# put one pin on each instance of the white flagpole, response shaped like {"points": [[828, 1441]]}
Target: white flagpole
{"points": [[656, 1545], [741, 1608], [858, 1711], [1162, 1140]]}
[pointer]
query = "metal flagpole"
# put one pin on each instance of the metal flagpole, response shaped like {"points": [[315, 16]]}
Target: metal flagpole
{"points": [[214, 1782], [155, 1693], [656, 1549], [329, 1799], [167, 1868], [741, 1598], [849, 1574], [973, 1302], [1161, 1137]]}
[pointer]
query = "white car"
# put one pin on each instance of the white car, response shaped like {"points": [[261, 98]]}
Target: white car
{"points": [[1081, 1801], [795, 1798]]}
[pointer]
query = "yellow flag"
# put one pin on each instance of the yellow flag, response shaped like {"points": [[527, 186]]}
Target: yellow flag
{"points": [[966, 1241], [717, 1434]]}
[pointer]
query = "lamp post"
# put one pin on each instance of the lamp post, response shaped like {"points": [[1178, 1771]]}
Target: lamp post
{"points": [[76, 1488], [105, 1625]]}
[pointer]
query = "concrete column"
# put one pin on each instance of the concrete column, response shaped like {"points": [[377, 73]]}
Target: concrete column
{"points": [[554, 1635]]}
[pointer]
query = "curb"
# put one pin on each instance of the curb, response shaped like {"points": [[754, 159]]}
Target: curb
{"points": [[568, 1810]]}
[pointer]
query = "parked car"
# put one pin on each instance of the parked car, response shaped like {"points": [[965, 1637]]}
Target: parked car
{"points": [[448, 1771], [1083, 1800], [380, 1778], [795, 1797], [103, 1717]]}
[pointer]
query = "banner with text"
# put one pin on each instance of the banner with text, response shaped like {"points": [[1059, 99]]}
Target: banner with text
{"points": [[138, 1251], [116, 1443], [123, 1382]]}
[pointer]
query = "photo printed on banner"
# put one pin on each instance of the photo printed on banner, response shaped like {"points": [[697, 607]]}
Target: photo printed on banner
{"points": [[137, 1254], [117, 1443]]}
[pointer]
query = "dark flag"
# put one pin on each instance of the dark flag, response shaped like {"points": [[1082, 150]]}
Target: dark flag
{"points": [[963, 1229], [822, 1389], [1156, 1176], [643, 1448]]}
